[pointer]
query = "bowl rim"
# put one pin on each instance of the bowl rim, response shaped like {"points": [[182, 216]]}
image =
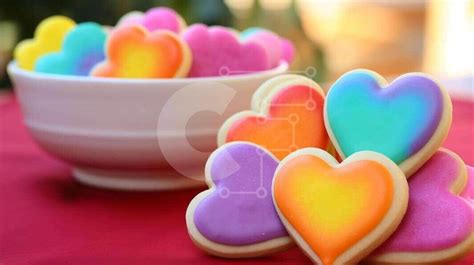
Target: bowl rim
{"points": [[14, 70]]}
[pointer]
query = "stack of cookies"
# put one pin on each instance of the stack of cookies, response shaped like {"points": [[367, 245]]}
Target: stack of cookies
{"points": [[354, 175]]}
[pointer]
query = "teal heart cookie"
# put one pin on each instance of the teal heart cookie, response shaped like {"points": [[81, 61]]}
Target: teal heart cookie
{"points": [[82, 49], [406, 120]]}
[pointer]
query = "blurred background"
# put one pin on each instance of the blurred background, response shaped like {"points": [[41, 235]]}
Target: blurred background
{"points": [[334, 36]]}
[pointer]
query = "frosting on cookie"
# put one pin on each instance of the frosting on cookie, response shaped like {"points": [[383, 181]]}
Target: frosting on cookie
{"points": [[239, 210], [157, 18], [82, 49], [48, 38], [437, 218], [293, 120], [133, 52], [217, 51], [396, 120], [335, 208], [468, 191]]}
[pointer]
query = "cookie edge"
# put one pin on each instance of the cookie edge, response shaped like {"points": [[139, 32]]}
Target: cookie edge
{"points": [[267, 90], [227, 251], [445, 255], [381, 232], [410, 165]]}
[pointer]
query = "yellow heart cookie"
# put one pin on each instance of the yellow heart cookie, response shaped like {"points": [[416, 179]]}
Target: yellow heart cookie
{"points": [[339, 213], [48, 38]]}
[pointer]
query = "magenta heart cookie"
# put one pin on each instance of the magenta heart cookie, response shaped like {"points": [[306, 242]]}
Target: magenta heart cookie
{"points": [[278, 48], [217, 51], [287, 50], [468, 191], [154, 19], [236, 216], [438, 225], [270, 42]]}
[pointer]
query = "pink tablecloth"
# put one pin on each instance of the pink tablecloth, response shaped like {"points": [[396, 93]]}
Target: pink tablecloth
{"points": [[46, 218]]}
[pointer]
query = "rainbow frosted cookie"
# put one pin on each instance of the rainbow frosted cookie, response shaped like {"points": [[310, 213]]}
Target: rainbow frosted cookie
{"points": [[339, 213], [133, 52], [406, 120], [286, 115]]}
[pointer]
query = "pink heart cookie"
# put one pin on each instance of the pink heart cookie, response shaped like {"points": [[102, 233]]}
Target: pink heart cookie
{"points": [[278, 47], [217, 51], [287, 50], [154, 19], [438, 225], [272, 44], [468, 191]]}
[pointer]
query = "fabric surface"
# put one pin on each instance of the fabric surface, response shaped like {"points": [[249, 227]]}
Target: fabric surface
{"points": [[48, 219]]}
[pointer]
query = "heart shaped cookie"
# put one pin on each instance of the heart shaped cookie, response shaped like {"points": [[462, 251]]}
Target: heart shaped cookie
{"points": [[82, 49], [132, 17], [156, 18], [133, 52], [406, 120], [268, 40], [48, 37], [277, 47], [236, 216], [438, 226], [338, 213], [286, 115], [468, 192], [217, 51]]}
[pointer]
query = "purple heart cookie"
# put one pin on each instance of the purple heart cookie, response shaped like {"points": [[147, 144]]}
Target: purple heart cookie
{"points": [[438, 225], [236, 217]]}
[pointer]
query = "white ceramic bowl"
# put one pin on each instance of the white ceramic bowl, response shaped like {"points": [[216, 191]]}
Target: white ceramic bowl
{"points": [[133, 134]]}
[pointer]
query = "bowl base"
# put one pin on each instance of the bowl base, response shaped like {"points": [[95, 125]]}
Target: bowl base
{"points": [[135, 180]]}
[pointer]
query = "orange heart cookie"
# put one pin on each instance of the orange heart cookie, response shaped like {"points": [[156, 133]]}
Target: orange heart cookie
{"points": [[286, 115], [339, 213], [133, 52]]}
